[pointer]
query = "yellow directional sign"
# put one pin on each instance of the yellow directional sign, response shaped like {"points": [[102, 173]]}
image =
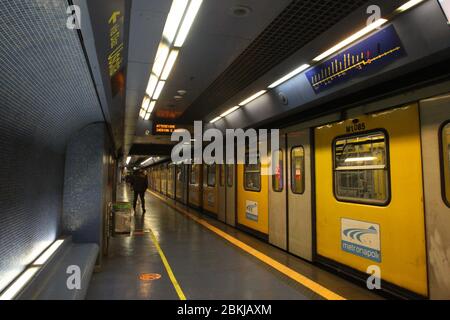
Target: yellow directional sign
{"points": [[114, 17]]}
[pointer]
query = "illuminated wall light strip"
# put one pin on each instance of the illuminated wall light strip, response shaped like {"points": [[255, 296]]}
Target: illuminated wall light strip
{"points": [[48, 253], [153, 82], [19, 284], [409, 5], [174, 18], [289, 76], [128, 160], [188, 21], [351, 39], [253, 97], [215, 120], [230, 111], [159, 90], [170, 64]]}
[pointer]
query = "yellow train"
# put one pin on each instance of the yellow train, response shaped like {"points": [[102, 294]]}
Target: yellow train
{"points": [[371, 189]]}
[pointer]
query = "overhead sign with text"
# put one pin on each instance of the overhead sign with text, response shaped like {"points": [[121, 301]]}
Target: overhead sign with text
{"points": [[370, 55]]}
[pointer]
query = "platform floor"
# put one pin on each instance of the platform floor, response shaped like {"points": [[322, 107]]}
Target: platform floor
{"points": [[201, 265]]}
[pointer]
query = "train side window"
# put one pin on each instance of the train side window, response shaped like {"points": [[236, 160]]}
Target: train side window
{"points": [[252, 175], [361, 171], [446, 162], [211, 175], [230, 179], [298, 170], [194, 175], [278, 175]]}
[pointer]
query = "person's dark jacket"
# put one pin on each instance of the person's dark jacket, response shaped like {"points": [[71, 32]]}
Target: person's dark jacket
{"points": [[139, 183]]}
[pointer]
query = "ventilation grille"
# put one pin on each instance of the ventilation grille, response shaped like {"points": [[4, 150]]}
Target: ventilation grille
{"points": [[46, 95], [300, 23]]}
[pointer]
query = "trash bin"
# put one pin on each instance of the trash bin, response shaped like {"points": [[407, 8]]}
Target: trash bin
{"points": [[122, 218]]}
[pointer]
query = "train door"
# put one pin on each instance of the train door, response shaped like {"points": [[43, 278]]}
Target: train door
{"points": [[196, 186], [222, 196], [210, 189], [253, 197], [369, 197], [299, 188], [435, 121], [231, 195], [277, 197], [170, 181]]}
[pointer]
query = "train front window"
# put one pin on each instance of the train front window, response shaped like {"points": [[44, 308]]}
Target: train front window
{"points": [[298, 170], [278, 174], [446, 161], [361, 169], [211, 175], [252, 175]]}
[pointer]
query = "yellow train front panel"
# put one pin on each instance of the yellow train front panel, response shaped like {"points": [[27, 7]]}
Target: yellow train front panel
{"points": [[253, 205], [369, 196]]}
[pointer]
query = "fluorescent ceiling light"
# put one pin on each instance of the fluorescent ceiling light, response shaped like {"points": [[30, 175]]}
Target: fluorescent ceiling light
{"points": [[19, 284], [223, 115], [146, 104], [159, 90], [289, 76], [147, 161], [147, 116], [142, 113], [48, 253], [152, 83], [170, 64], [409, 5], [151, 107], [253, 97], [360, 159], [174, 19], [215, 120], [128, 160], [351, 39], [445, 5], [161, 58], [188, 21]]}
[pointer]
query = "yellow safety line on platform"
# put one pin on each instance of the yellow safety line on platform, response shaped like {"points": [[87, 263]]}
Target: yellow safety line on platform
{"points": [[304, 281], [175, 283]]}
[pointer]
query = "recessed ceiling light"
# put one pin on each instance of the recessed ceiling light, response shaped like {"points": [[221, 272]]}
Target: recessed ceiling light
{"points": [[240, 11]]}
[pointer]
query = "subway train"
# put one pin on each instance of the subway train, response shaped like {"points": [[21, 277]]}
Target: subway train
{"points": [[366, 187]]}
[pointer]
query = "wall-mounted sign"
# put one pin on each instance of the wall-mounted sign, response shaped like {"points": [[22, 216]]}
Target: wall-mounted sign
{"points": [[368, 56], [115, 53], [162, 129]]}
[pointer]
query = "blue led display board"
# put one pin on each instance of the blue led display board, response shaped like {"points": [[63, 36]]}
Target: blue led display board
{"points": [[367, 57]]}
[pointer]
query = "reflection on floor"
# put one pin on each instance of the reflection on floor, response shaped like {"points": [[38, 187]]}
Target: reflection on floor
{"points": [[204, 265]]}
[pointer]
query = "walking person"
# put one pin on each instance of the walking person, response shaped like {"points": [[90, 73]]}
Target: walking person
{"points": [[139, 183]]}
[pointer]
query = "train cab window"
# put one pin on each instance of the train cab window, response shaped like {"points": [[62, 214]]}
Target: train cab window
{"points": [[230, 180], [298, 170], [194, 175], [278, 174], [446, 161], [361, 169], [211, 175], [252, 175]]}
